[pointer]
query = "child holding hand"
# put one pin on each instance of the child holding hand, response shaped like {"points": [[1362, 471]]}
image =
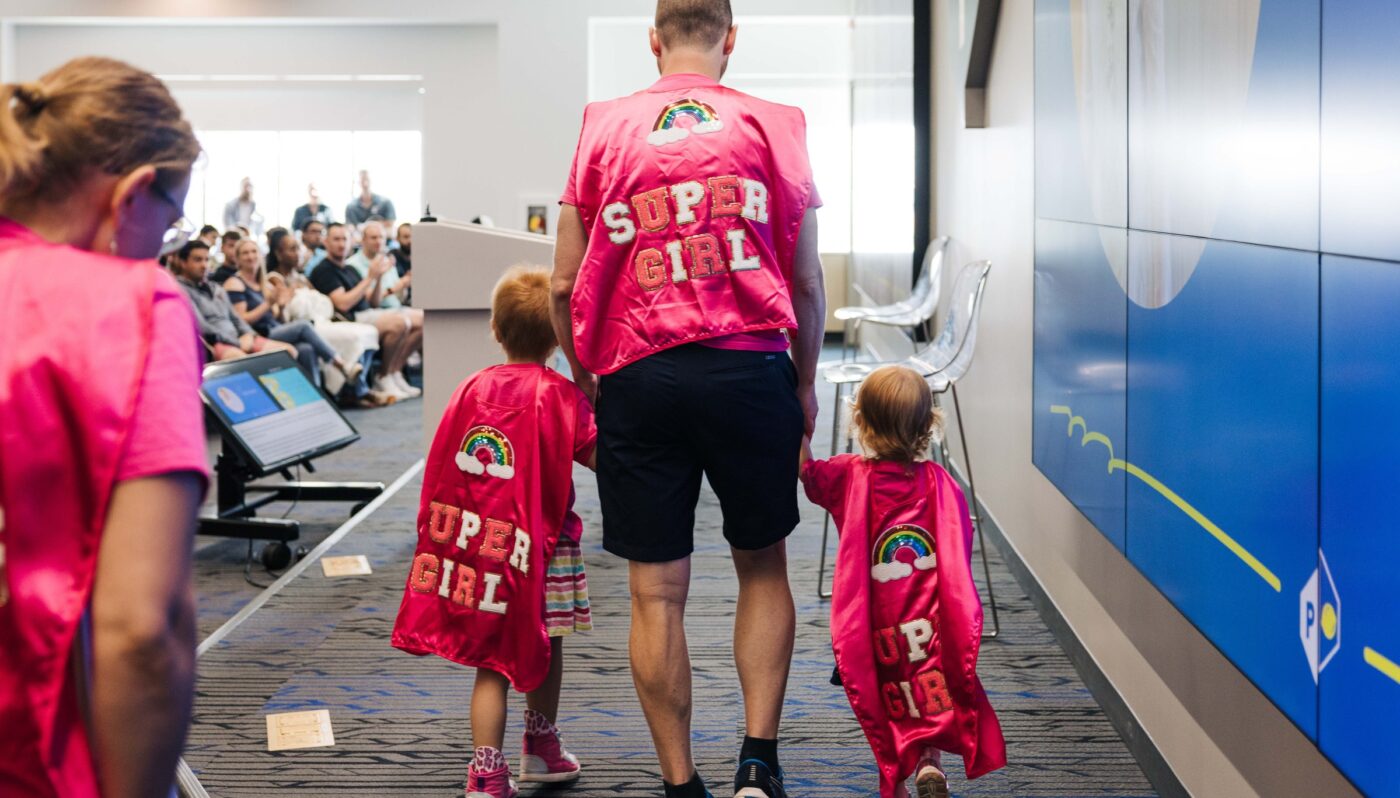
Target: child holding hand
{"points": [[497, 577], [906, 620]]}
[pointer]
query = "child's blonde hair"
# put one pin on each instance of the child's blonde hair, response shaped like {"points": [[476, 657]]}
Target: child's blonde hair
{"points": [[520, 313], [894, 417]]}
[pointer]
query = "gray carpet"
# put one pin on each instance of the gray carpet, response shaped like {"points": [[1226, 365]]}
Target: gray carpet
{"points": [[401, 723]]}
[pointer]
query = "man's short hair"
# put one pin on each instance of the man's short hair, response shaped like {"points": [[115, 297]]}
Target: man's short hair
{"points": [[520, 310], [306, 225], [401, 226], [334, 225], [231, 236], [693, 23], [190, 246], [207, 229]]}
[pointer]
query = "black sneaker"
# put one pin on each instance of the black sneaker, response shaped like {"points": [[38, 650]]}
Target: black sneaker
{"points": [[755, 780]]}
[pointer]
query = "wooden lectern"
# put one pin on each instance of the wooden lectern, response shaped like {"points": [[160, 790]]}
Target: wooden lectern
{"points": [[455, 266]]}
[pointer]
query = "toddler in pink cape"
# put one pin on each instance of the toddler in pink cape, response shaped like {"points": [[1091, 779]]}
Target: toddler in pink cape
{"points": [[906, 620]]}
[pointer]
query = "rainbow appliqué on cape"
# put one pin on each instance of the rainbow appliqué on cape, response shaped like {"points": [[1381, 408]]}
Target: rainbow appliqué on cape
{"points": [[486, 450], [671, 125], [899, 550]]}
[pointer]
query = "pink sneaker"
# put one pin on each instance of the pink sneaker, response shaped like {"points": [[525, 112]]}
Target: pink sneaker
{"points": [[490, 784], [929, 779], [543, 757]]}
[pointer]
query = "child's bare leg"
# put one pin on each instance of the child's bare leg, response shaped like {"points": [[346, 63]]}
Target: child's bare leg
{"points": [[545, 699], [489, 709]]}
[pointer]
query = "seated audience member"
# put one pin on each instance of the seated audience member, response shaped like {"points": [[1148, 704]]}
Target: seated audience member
{"points": [[291, 291], [368, 205], [394, 286], [249, 294], [225, 260], [228, 335], [313, 244], [313, 209], [209, 234], [403, 254], [358, 297]]}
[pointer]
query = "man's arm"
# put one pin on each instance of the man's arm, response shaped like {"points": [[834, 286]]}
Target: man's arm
{"points": [[809, 305], [570, 245], [143, 630], [344, 299]]}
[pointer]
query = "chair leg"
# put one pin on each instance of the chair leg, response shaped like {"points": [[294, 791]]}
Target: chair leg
{"points": [[822, 592], [976, 513]]}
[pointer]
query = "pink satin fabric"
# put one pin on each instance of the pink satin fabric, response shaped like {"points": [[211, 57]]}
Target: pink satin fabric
{"points": [[547, 423], [908, 691], [76, 328], [627, 301]]}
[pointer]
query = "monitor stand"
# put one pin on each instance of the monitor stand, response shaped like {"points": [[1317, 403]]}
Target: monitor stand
{"points": [[237, 511]]}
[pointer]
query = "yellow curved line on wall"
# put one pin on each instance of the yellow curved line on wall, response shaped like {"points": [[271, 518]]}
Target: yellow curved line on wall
{"points": [[1099, 437], [1181, 504], [1379, 661]]}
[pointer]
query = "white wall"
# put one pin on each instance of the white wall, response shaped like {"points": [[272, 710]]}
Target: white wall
{"points": [[1221, 736], [516, 102]]}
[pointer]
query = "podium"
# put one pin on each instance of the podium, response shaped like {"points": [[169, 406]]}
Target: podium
{"points": [[455, 266]]}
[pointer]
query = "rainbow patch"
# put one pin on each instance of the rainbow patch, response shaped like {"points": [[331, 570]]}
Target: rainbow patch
{"points": [[486, 450], [672, 125], [899, 551]]}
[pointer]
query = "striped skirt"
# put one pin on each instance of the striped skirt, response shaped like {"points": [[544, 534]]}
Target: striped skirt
{"points": [[566, 592]]}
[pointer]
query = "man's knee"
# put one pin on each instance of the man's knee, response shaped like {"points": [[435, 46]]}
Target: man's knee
{"points": [[765, 563], [660, 587]]}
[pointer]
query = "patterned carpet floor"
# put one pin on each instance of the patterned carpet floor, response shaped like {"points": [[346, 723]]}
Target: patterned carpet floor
{"points": [[401, 723]]}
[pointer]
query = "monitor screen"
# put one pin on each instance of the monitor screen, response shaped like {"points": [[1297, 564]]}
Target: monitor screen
{"points": [[273, 412]]}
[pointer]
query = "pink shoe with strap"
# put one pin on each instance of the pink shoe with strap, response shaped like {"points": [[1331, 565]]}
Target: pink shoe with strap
{"points": [[929, 779], [543, 758], [489, 776]]}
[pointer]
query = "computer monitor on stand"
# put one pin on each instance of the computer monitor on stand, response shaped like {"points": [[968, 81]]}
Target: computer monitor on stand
{"points": [[271, 419]]}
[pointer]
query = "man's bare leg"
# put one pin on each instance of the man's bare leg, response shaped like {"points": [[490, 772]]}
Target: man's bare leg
{"points": [[764, 625], [661, 661]]}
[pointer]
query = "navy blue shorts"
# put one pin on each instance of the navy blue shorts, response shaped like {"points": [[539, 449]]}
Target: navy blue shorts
{"points": [[670, 418]]}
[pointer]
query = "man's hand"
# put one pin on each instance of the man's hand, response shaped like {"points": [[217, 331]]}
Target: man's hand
{"points": [[807, 395], [405, 281], [588, 383], [380, 267], [247, 342]]}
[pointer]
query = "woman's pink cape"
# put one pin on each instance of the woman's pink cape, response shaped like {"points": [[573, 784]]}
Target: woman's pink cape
{"points": [[975, 733], [76, 330]]}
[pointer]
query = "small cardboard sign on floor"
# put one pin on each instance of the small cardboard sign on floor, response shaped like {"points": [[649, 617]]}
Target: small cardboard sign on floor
{"points": [[289, 731], [353, 565]]}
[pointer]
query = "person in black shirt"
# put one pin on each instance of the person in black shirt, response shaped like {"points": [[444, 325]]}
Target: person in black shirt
{"points": [[403, 254], [357, 298]]}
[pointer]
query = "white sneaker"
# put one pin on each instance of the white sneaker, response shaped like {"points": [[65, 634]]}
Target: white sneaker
{"points": [[387, 386], [402, 383]]}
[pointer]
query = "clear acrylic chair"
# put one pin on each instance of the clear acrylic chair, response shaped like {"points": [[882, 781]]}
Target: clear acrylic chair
{"points": [[916, 311], [942, 364]]}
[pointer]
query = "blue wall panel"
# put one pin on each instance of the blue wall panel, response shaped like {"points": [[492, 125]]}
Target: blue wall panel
{"points": [[1223, 119], [1081, 337], [1081, 113], [1179, 400], [1361, 128], [1360, 684], [1222, 426]]}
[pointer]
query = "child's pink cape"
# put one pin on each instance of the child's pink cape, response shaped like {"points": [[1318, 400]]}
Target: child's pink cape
{"points": [[76, 331], [906, 620], [496, 492]]}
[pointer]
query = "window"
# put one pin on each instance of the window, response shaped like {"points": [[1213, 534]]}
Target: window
{"points": [[281, 164]]}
